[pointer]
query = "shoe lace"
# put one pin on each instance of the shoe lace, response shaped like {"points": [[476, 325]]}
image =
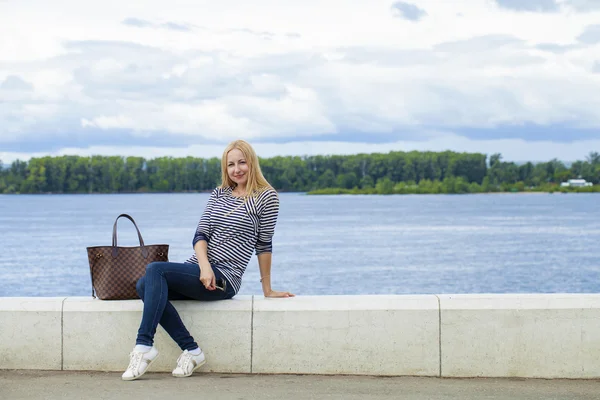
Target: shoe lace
{"points": [[184, 360], [135, 358]]}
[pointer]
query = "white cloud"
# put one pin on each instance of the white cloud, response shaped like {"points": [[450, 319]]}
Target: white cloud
{"points": [[293, 71]]}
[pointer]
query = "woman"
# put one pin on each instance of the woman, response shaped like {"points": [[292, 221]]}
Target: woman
{"points": [[238, 220]]}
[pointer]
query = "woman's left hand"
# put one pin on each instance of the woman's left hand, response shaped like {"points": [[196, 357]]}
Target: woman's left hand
{"points": [[274, 293]]}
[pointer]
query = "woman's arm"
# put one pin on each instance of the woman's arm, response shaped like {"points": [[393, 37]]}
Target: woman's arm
{"points": [[264, 244], [207, 275], [264, 265], [200, 244]]}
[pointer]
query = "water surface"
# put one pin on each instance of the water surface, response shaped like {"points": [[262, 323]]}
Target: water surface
{"points": [[489, 243]]}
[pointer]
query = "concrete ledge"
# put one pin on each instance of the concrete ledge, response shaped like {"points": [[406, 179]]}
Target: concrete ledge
{"points": [[98, 335], [30, 328], [374, 335], [521, 335], [513, 335]]}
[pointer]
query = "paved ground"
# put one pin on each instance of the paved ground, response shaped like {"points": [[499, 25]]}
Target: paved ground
{"points": [[66, 385]]}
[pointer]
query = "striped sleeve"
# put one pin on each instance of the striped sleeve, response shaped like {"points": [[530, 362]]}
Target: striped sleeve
{"points": [[267, 221], [203, 229]]}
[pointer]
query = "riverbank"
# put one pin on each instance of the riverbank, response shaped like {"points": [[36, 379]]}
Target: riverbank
{"points": [[335, 191]]}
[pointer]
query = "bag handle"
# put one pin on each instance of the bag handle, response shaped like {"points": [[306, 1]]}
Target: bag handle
{"points": [[115, 251]]}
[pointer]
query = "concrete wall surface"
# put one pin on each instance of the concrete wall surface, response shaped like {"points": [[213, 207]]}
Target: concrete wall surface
{"points": [[98, 335], [30, 329], [474, 335], [520, 335], [375, 335]]}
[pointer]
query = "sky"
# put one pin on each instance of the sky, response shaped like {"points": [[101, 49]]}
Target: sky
{"points": [[185, 77]]}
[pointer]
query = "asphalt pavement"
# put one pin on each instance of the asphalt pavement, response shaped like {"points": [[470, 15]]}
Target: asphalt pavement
{"points": [[67, 385]]}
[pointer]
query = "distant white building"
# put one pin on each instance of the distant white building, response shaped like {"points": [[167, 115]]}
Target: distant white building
{"points": [[576, 183]]}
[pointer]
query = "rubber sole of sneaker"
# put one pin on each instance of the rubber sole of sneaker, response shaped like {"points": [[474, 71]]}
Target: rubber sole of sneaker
{"points": [[133, 378], [191, 372]]}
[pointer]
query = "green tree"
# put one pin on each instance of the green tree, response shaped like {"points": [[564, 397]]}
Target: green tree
{"points": [[397, 172], [327, 179], [384, 186], [367, 182], [347, 181], [495, 159], [593, 158]]}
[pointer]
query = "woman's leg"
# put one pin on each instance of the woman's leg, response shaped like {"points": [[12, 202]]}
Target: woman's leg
{"points": [[164, 281]]}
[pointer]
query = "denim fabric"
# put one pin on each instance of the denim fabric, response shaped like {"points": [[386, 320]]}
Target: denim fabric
{"points": [[166, 281]]}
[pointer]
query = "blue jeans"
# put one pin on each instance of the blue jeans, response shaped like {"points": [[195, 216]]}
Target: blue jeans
{"points": [[166, 281]]}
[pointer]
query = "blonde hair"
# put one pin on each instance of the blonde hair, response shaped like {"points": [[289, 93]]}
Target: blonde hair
{"points": [[256, 183]]}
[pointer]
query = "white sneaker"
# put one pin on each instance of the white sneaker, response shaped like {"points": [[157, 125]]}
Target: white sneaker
{"points": [[139, 363], [187, 363]]}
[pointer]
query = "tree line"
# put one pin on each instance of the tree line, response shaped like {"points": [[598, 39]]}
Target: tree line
{"points": [[394, 172]]}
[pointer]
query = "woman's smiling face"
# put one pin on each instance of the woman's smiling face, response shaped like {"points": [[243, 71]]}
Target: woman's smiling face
{"points": [[237, 167]]}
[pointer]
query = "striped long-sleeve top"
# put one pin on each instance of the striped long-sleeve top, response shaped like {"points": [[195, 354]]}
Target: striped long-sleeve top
{"points": [[234, 229]]}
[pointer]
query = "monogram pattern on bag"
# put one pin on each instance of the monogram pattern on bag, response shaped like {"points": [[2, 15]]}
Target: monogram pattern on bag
{"points": [[115, 278]]}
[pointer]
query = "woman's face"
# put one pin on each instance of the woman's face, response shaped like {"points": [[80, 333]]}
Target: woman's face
{"points": [[237, 167]]}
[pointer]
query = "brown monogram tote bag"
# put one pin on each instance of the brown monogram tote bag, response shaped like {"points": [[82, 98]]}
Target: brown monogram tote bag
{"points": [[115, 270]]}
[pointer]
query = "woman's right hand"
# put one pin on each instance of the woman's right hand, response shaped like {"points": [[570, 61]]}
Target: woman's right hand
{"points": [[207, 277]]}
